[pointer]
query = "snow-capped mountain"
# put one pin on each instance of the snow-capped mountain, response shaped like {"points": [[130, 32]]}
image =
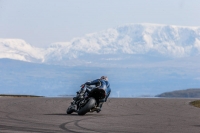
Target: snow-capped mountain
{"points": [[129, 40], [175, 41], [20, 50]]}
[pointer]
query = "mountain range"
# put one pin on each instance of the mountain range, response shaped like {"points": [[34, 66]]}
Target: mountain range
{"points": [[129, 42], [139, 59]]}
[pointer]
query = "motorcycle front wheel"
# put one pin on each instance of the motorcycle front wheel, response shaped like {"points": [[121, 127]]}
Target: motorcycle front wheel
{"points": [[70, 110]]}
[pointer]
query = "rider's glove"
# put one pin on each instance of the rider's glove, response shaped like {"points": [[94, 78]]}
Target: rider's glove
{"points": [[82, 85]]}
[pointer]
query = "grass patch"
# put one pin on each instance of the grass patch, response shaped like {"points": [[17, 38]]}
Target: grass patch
{"points": [[195, 103]]}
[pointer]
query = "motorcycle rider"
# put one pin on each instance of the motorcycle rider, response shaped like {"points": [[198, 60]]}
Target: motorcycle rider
{"points": [[101, 83]]}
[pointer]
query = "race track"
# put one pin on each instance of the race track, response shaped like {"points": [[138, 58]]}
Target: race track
{"points": [[134, 115]]}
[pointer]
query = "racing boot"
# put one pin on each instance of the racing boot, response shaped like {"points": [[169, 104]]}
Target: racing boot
{"points": [[99, 107]]}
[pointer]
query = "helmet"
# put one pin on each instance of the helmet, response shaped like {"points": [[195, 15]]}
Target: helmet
{"points": [[104, 77]]}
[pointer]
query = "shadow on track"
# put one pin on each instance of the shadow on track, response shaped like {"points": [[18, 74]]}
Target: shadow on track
{"points": [[57, 114], [64, 114]]}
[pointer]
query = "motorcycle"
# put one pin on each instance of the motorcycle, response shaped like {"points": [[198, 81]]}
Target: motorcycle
{"points": [[89, 102]]}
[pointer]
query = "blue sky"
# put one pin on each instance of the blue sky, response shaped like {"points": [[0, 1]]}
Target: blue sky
{"points": [[42, 22]]}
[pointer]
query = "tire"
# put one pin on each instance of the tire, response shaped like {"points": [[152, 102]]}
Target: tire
{"points": [[70, 110], [90, 104]]}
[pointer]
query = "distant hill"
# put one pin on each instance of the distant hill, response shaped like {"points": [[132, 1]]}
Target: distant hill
{"points": [[189, 93]]}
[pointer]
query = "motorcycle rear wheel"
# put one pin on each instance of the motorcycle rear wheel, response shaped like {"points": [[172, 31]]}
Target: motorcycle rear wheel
{"points": [[90, 104]]}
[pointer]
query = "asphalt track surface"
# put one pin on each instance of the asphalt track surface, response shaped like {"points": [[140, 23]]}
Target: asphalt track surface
{"points": [[134, 115]]}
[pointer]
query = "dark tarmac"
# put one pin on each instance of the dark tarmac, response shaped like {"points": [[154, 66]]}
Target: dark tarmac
{"points": [[123, 115]]}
